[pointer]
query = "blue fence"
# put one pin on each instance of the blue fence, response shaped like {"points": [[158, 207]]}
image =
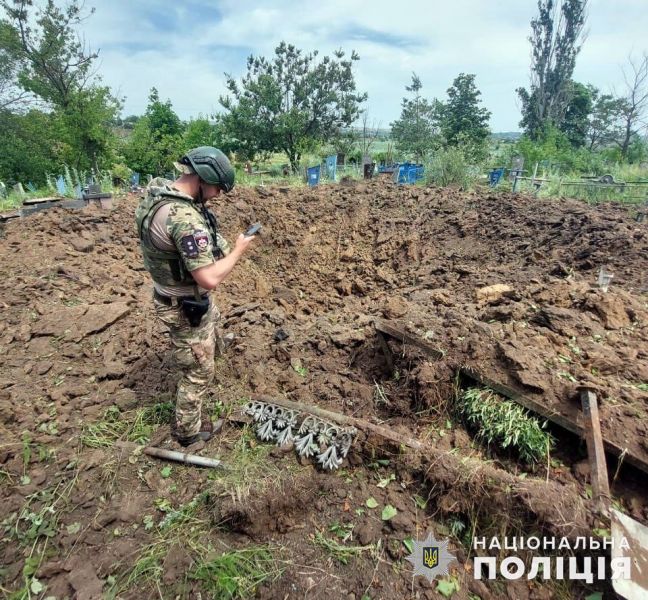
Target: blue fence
{"points": [[495, 176], [331, 167], [410, 173], [314, 175], [61, 188]]}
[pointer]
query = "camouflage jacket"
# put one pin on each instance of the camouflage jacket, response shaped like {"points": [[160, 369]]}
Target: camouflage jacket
{"points": [[186, 227]]}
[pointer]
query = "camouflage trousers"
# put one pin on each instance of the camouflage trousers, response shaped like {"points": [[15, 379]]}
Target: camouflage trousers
{"points": [[193, 351]]}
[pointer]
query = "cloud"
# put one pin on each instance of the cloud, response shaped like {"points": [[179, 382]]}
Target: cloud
{"points": [[358, 33], [184, 48]]}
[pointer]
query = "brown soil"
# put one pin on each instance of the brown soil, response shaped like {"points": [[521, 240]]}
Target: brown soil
{"points": [[78, 335]]}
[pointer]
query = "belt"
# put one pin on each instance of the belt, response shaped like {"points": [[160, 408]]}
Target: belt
{"points": [[173, 300]]}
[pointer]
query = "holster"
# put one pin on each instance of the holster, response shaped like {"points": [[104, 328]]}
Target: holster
{"points": [[194, 310]]}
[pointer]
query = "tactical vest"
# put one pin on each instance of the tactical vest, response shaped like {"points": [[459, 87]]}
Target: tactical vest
{"points": [[166, 268]]}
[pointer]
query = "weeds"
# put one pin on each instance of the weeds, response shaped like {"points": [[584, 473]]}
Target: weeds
{"points": [[180, 526], [339, 552], [380, 396], [148, 567], [32, 528], [114, 426], [451, 167], [249, 467], [505, 424], [232, 574], [237, 573], [343, 531], [183, 515]]}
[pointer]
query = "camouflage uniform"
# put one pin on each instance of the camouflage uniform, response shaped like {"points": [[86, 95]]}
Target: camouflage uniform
{"points": [[189, 247]]}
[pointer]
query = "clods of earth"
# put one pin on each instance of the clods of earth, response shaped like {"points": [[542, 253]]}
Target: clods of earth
{"points": [[503, 284]]}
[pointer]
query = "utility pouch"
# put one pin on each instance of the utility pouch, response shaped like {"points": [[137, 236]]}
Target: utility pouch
{"points": [[195, 310]]}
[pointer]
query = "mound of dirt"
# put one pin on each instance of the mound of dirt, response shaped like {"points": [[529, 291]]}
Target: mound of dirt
{"points": [[500, 283]]}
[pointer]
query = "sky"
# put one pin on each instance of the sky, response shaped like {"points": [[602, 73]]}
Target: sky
{"points": [[185, 47]]}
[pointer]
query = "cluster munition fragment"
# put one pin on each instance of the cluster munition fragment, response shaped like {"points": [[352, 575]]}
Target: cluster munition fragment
{"points": [[314, 437]]}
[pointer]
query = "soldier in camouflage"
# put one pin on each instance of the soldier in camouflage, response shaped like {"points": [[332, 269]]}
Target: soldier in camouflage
{"points": [[187, 258]]}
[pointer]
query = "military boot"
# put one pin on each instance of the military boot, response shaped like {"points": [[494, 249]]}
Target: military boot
{"points": [[207, 430]]}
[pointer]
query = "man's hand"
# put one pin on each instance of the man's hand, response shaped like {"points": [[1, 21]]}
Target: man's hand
{"points": [[212, 275], [243, 242]]}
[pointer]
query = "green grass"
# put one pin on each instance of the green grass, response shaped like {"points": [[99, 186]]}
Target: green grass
{"points": [[14, 200], [237, 573], [248, 467], [184, 515], [504, 424], [230, 574], [32, 528], [292, 181], [557, 186], [180, 526], [137, 426]]}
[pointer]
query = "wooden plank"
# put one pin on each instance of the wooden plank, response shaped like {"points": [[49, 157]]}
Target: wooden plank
{"points": [[33, 208], [97, 196], [29, 201], [550, 415], [397, 331], [595, 452]]}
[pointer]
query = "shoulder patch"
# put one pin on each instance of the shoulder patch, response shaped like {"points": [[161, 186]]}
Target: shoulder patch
{"points": [[202, 240], [189, 246]]}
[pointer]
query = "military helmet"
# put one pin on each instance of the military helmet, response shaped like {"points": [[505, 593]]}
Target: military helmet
{"points": [[211, 165]]}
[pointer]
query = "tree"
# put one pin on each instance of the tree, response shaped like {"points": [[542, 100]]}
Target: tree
{"points": [[48, 61], [12, 96], [463, 121], [129, 121], [162, 119], [30, 146], [87, 126], [603, 121], [56, 65], [291, 102], [201, 132], [346, 142], [417, 130], [157, 138], [575, 123], [556, 39], [634, 102], [368, 134]]}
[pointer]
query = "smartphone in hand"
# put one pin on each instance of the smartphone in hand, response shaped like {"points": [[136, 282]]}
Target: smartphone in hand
{"points": [[253, 230]]}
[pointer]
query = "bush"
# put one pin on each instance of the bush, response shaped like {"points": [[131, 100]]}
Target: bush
{"points": [[451, 167], [505, 424], [555, 149], [121, 173]]}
